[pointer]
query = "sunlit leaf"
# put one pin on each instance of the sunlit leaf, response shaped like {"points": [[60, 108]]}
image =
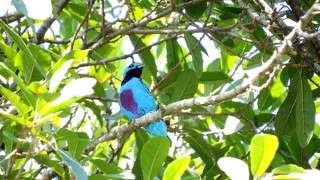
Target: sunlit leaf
{"points": [[262, 151], [287, 169], [234, 168], [176, 168]]}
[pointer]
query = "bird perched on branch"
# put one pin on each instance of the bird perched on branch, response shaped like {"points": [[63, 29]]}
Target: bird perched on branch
{"points": [[136, 100]]}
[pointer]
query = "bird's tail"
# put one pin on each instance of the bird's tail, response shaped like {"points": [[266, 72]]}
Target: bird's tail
{"points": [[158, 128]]}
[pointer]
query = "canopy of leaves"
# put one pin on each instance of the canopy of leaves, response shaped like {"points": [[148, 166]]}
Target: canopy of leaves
{"points": [[250, 66]]}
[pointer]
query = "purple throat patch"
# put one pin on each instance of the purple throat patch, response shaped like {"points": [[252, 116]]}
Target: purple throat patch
{"points": [[127, 101]]}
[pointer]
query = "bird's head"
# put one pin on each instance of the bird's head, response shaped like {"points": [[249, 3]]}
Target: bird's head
{"points": [[133, 70]]}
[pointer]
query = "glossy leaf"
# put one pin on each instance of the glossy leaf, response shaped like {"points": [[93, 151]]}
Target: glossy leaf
{"points": [[175, 169], [153, 154], [262, 151]]}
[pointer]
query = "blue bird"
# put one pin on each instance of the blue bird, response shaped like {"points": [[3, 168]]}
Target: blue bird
{"points": [[136, 100]]}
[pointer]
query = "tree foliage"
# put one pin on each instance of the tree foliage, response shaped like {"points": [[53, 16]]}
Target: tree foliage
{"points": [[237, 80]]}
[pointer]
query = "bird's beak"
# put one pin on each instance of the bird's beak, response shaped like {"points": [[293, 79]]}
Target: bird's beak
{"points": [[140, 66]]}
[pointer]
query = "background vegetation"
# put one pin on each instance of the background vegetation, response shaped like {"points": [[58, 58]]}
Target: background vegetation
{"points": [[237, 80]]}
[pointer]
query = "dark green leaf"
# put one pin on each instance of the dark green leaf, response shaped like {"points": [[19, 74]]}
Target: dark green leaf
{"points": [[186, 85], [207, 77], [174, 54], [285, 119], [305, 109], [196, 10]]}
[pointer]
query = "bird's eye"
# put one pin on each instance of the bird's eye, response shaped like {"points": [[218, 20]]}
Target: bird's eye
{"points": [[131, 65]]}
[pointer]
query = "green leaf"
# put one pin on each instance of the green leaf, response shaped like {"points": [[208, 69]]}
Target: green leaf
{"points": [[75, 166], [207, 77], [25, 91], [43, 158], [284, 121], [305, 109], [227, 60], [234, 168], [107, 168], [8, 51], [153, 155], [14, 118], [16, 38], [15, 100], [200, 146], [263, 148], [186, 85], [146, 56], [77, 141], [176, 168], [287, 169], [174, 54], [25, 66], [196, 10], [194, 47]]}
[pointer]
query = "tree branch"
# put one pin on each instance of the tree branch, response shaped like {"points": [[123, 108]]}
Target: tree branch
{"points": [[46, 24]]}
